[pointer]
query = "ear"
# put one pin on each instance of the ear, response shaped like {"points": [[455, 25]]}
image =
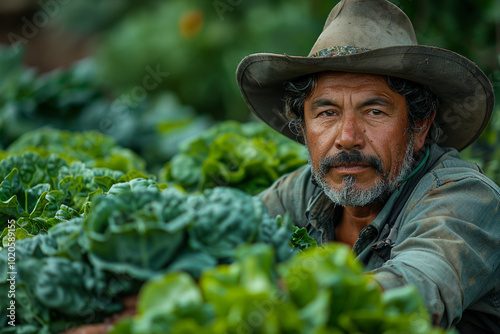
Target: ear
{"points": [[424, 126]]}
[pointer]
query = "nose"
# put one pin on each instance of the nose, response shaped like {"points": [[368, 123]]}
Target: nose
{"points": [[349, 136]]}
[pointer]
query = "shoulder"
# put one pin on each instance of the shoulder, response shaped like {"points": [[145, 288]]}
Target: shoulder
{"points": [[464, 176], [457, 188]]}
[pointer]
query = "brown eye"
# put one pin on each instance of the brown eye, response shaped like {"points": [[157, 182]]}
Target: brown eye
{"points": [[328, 113], [375, 112]]}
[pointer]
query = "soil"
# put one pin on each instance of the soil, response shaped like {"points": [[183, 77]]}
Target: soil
{"points": [[130, 304]]}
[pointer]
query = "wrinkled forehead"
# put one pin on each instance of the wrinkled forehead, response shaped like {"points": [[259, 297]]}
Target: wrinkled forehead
{"points": [[355, 86]]}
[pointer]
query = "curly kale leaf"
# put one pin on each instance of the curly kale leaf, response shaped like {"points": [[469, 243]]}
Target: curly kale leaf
{"points": [[134, 185], [28, 191], [39, 192], [70, 287], [223, 219], [49, 288], [278, 233], [137, 232], [29, 255], [33, 169], [68, 239]]}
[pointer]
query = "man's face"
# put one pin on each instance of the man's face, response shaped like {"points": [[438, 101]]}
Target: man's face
{"points": [[357, 135]]}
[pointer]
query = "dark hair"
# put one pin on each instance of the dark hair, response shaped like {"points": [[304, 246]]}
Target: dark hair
{"points": [[421, 103]]}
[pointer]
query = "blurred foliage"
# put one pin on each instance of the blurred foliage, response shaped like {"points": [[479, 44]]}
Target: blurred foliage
{"points": [[319, 291], [470, 28], [72, 99], [97, 15], [199, 43], [29, 100], [92, 148]]}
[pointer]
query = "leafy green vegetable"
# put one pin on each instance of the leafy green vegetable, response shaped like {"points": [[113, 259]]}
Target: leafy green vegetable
{"points": [[48, 285], [218, 214], [218, 228], [322, 290], [176, 295], [74, 99], [135, 231], [39, 192], [301, 239], [245, 156], [66, 286], [27, 183], [91, 148], [60, 98]]}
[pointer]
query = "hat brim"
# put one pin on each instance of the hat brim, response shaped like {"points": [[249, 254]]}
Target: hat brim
{"points": [[465, 93]]}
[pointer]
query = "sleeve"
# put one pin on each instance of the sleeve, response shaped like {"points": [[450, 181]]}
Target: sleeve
{"points": [[448, 246], [290, 194]]}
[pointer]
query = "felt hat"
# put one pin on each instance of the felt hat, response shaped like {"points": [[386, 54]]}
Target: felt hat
{"points": [[375, 37]]}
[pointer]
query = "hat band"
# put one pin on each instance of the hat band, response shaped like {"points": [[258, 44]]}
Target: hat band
{"points": [[338, 51]]}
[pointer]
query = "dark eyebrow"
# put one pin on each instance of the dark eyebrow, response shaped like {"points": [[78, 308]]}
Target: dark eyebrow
{"points": [[323, 102], [376, 101]]}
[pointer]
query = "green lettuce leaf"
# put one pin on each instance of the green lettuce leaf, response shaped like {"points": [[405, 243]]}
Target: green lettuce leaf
{"points": [[246, 156]]}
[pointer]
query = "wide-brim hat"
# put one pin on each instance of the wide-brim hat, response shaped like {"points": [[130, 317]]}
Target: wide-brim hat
{"points": [[374, 37]]}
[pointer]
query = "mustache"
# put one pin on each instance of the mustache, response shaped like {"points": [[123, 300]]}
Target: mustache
{"points": [[353, 157]]}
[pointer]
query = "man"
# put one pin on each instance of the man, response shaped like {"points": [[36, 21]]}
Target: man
{"points": [[383, 120]]}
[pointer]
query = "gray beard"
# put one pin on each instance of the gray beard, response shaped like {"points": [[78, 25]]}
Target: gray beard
{"points": [[348, 195]]}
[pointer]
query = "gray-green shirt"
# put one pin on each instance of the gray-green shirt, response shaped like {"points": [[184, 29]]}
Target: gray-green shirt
{"points": [[445, 236]]}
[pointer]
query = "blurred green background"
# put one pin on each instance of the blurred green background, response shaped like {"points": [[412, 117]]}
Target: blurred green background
{"points": [[152, 73]]}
